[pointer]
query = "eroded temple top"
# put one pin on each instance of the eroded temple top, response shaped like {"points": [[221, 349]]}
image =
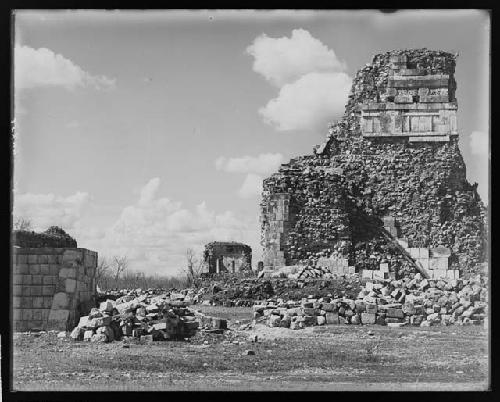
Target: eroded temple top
{"points": [[417, 100]]}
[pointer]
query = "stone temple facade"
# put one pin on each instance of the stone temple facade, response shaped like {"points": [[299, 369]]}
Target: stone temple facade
{"points": [[227, 257], [387, 190]]}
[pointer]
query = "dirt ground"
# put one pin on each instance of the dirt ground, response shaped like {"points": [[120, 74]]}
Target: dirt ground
{"points": [[332, 357]]}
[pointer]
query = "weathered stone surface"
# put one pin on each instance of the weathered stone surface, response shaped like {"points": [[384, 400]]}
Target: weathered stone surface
{"points": [[60, 301], [368, 318], [40, 282], [58, 319], [310, 215]]}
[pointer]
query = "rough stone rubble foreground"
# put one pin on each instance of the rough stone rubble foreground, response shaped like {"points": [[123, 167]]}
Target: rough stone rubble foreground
{"points": [[416, 302], [144, 315], [387, 193]]}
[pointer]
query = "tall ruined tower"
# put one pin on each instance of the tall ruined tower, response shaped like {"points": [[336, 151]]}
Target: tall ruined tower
{"points": [[389, 179]]}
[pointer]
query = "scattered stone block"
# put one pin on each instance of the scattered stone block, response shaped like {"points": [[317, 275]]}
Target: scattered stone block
{"points": [[368, 318]]}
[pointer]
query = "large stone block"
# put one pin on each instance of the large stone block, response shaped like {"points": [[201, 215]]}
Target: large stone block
{"points": [[26, 290], [49, 280], [48, 290], [36, 290], [60, 301], [17, 290], [22, 269], [43, 259], [17, 279], [368, 318], [17, 314], [37, 314], [72, 258], [438, 263], [16, 302], [27, 314], [21, 259], [45, 314], [54, 269], [36, 279], [332, 318], [394, 313], [26, 302], [47, 302], [68, 272], [52, 259], [439, 274], [58, 320], [32, 259], [70, 285], [27, 280], [38, 302], [44, 269]]}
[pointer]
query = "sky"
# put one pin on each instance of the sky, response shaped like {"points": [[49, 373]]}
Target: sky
{"points": [[145, 133]]}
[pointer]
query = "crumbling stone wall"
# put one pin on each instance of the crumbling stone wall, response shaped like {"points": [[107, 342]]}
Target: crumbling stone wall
{"points": [[343, 192], [227, 257], [52, 287]]}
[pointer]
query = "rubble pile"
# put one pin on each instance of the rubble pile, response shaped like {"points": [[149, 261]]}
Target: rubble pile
{"points": [[332, 204], [411, 301], [246, 293], [189, 294], [145, 316]]}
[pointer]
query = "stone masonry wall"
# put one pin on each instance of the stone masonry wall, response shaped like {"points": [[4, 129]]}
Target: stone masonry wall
{"points": [[227, 257], [339, 197], [52, 287]]}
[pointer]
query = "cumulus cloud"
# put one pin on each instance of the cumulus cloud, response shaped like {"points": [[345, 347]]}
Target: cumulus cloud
{"points": [[308, 103], [42, 67], [251, 187], [263, 163], [312, 81], [155, 231], [479, 143], [283, 60], [45, 210]]}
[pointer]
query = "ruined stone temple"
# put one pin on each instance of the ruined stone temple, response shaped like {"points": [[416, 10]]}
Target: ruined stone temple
{"points": [[386, 193], [53, 280], [227, 257]]}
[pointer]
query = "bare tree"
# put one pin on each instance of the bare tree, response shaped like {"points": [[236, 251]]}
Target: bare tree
{"points": [[101, 271], [194, 266], [21, 223], [119, 265]]}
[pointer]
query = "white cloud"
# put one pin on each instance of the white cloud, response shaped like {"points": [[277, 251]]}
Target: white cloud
{"points": [[45, 210], [155, 232], [479, 143], [312, 81], [308, 103], [263, 163], [42, 67], [251, 187], [283, 60]]}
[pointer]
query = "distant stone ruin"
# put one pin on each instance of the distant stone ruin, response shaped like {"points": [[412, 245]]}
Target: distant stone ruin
{"points": [[230, 257], [386, 193], [53, 280]]}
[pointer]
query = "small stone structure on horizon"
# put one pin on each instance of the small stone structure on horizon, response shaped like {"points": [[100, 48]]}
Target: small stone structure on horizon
{"points": [[227, 257], [53, 281]]}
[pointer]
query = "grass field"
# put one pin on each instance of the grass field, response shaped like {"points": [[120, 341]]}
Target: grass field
{"points": [[334, 357]]}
